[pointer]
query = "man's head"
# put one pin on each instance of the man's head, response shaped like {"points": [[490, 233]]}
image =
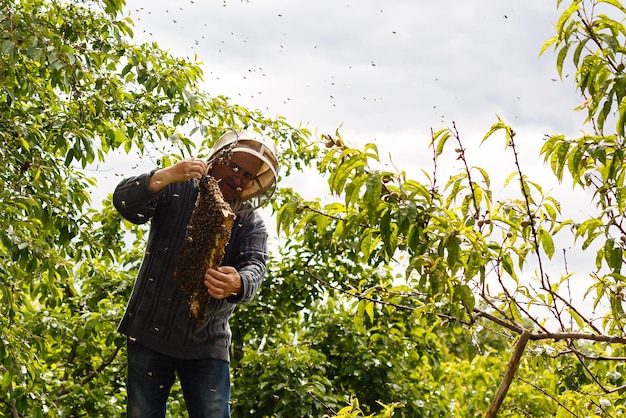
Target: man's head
{"points": [[252, 170]]}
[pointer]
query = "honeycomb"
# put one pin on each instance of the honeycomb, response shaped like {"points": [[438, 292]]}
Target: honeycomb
{"points": [[206, 237]]}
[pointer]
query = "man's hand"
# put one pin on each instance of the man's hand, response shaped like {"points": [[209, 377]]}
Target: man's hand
{"points": [[191, 168], [222, 282]]}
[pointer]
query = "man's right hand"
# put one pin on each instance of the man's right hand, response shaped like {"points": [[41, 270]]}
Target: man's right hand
{"points": [[191, 168]]}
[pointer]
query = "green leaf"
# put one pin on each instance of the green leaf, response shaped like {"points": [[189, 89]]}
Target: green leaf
{"points": [[439, 140], [566, 15], [500, 125], [7, 47], [546, 242], [561, 59], [507, 264], [369, 309], [547, 44], [373, 190], [453, 247], [349, 163], [465, 294]]}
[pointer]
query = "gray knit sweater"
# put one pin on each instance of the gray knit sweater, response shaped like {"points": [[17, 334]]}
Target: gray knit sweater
{"points": [[156, 315]]}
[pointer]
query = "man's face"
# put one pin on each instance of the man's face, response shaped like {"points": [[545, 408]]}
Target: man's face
{"points": [[235, 176]]}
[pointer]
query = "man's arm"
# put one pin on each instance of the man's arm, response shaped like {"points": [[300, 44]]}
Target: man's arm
{"points": [[240, 279], [135, 198], [184, 170]]}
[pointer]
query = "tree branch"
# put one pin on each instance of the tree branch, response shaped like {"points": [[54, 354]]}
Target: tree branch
{"points": [[588, 357], [548, 395], [556, 336], [509, 374], [12, 403], [461, 152], [66, 389]]}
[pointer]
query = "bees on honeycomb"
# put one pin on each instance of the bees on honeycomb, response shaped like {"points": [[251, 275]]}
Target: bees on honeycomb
{"points": [[206, 237]]}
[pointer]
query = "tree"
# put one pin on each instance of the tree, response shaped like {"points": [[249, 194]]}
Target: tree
{"points": [[471, 258], [480, 260], [73, 89]]}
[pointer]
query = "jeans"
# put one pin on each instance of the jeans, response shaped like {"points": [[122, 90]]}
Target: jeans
{"points": [[205, 384]]}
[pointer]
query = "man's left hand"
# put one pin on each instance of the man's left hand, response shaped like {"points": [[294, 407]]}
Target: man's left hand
{"points": [[222, 282]]}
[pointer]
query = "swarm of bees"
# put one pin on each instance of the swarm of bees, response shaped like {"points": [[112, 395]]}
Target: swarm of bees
{"points": [[206, 237]]}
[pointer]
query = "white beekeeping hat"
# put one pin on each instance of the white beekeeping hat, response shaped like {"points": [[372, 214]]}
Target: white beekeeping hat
{"points": [[260, 189]]}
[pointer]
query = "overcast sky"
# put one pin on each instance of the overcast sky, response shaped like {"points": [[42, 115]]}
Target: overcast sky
{"points": [[381, 71], [384, 71]]}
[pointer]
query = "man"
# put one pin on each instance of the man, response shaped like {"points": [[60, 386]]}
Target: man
{"points": [[163, 338]]}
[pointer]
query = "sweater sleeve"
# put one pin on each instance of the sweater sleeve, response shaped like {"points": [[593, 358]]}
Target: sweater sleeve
{"points": [[249, 256], [134, 200]]}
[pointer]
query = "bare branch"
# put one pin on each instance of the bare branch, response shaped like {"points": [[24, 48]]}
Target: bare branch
{"points": [[461, 152], [509, 374], [555, 336], [65, 389], [548, 395], [588, 357]]}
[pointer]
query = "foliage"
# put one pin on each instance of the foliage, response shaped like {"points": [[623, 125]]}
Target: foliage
{"points": [[477, 259], [596, 161], [395, 296], [73, 89]]}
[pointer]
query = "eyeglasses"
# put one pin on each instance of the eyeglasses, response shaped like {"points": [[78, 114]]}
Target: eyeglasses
{"points": [[246, 175]]}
